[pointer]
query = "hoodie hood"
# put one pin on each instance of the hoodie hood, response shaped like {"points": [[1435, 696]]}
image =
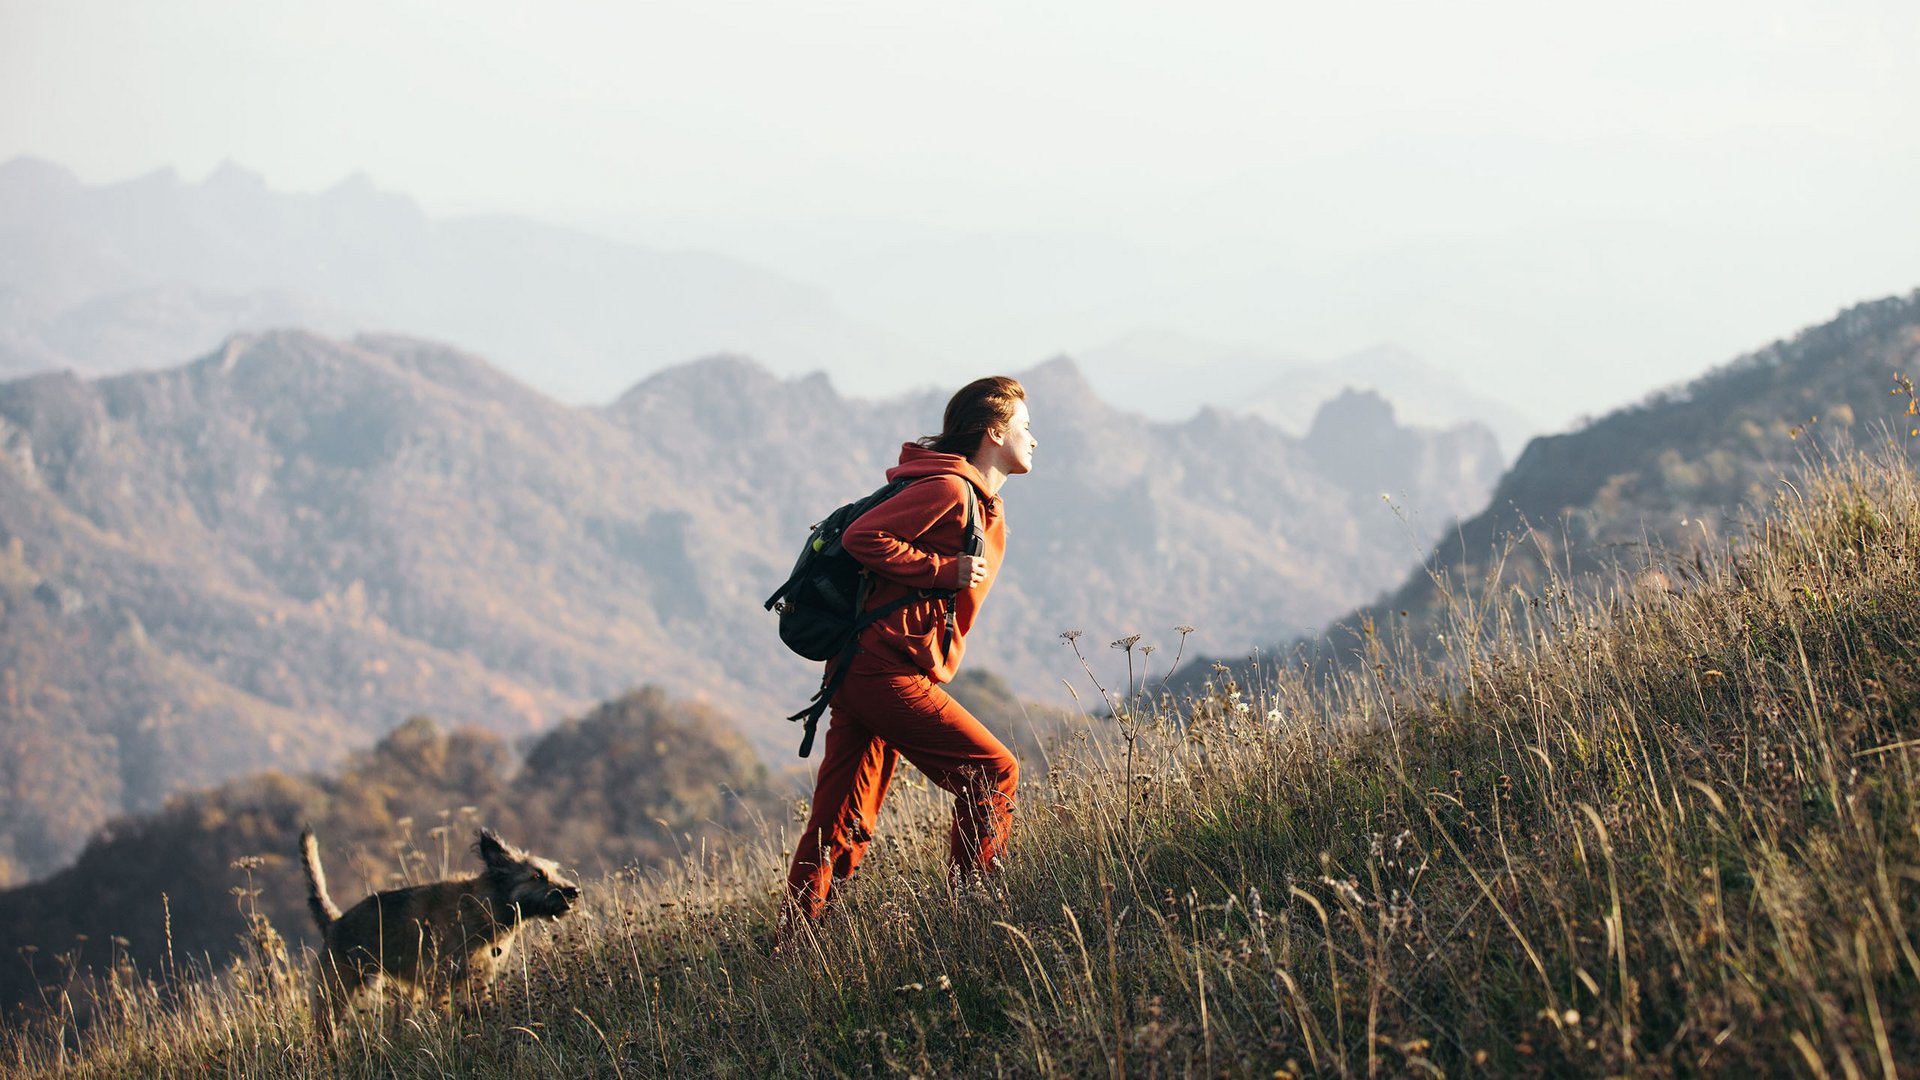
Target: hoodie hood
{"points": [[917, 461]]}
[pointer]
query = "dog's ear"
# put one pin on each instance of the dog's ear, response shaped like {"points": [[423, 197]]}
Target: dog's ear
{"points": [[491, 849]]}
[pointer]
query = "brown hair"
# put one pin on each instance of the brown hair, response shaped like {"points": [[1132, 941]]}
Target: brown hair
{"points": [[977, 408]]}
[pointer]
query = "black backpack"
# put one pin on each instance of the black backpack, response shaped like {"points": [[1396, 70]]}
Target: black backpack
{"points": [[822, 602]]}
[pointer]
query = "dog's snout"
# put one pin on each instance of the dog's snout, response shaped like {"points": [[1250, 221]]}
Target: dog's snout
{"points": [[571, 892]]}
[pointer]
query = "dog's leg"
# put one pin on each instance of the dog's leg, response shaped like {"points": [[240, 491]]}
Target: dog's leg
{"points": [[320, 1002], [335, 983]]}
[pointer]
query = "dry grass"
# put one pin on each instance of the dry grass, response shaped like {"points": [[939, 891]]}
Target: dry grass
{"points": [[1665, 832]]}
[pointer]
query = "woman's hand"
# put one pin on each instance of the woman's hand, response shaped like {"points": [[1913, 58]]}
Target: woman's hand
{"points": [[973, 571]]}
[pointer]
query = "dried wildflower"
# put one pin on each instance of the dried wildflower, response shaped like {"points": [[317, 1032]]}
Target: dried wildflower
{"points": [[1127, 642]]}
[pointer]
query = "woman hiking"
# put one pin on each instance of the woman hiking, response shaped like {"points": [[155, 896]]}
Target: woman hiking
{"points": [[892, 704]]}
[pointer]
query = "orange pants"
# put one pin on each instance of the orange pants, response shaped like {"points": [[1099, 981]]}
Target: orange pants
{"points": [[882, 713]]}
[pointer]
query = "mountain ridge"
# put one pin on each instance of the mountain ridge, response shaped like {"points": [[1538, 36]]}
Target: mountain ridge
{"points": [[1635, 495], [1182, 374], [229, 254], [332, 535]]}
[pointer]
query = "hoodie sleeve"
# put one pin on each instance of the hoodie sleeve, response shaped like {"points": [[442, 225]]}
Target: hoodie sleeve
{"points": [[888, 538]]}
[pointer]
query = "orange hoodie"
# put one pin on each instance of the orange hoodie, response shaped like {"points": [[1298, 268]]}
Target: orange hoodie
{"points": [[914, 541]]}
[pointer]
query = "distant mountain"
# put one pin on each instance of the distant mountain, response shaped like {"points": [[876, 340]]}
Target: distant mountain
{"points": [[1170, 375], [1634, 495], [277, 551], [1421, 394], [153, 271], [1356, 439]]}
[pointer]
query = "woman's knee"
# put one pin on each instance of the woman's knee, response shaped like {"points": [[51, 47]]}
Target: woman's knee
{"points": [[1006, 770], [998, 771]]}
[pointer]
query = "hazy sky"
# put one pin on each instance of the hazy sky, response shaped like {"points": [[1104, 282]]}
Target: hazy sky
{"points": [[1566, 205]]}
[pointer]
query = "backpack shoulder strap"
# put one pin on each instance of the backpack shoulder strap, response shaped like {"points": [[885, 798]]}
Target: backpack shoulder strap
{"points": [[976, 532], [975, 542]]}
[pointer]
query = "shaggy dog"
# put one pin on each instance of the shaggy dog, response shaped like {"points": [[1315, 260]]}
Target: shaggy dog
{"points": [[441, 940]]}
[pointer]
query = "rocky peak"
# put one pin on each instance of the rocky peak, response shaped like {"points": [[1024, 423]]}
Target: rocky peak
{"points": [[229, 179], [1060, 395], [709, 382], [725, 398], [1059, 377], [358, 200], [1356, 439], [1351, 411]]}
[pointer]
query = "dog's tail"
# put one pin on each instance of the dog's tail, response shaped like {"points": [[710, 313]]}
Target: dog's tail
{"points": [[318, 902]]}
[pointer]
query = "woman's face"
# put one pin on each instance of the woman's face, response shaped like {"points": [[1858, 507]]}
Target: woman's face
{"points": [[1017, 442]]}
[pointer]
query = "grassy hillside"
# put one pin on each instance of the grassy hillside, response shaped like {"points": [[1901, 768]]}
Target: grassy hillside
{"points": [[1674, 834]]}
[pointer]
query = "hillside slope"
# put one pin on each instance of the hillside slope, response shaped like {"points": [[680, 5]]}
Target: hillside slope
{"points": [[1652, 481], [1674, 836], [1630, 499]]}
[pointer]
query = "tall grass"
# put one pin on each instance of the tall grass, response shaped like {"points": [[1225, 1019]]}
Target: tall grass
{"points": [[1667, 829]]}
